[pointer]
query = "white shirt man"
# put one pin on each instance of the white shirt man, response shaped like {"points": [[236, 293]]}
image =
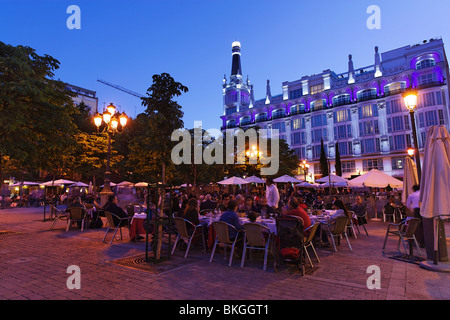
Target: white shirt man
{"points": [[413, 201], [272, 195]]}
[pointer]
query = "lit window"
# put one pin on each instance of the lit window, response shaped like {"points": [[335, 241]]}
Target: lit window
{"points": [[425, 64], [316, 89]]}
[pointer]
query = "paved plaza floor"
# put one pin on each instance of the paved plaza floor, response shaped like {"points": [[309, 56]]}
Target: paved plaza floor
{"points": [[34, 264]]}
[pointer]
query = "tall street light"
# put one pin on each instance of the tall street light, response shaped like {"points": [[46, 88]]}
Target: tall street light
{"points": [[410, 99], [113, 122]]}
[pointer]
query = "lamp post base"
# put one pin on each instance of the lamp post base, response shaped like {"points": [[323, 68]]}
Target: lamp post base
{"points": [[440, 267]]}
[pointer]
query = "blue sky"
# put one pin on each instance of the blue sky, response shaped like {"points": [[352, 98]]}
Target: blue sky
{"points": [[126, 42]]}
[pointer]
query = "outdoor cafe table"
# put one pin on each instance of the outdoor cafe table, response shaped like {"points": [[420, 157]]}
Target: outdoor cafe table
{"points": [[137, 225]]}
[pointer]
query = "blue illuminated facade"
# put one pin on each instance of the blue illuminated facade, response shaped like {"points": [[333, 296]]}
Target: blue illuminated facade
{"points": [[361, 110]]}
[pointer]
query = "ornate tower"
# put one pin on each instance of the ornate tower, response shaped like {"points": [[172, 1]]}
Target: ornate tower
{"points": [[237, 94]]}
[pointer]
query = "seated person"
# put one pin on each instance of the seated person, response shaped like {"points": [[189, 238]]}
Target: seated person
{"points": [[342, 211], [389, 208], [75, 204], [295, 210], [230, 216], [225, 199], [111, 206], [360, 209], [191, 214], [208, 204], [248, 205], [263, 209]]}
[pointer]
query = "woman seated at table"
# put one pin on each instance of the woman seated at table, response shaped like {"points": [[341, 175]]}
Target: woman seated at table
{"points": [[248, 205], [111, 206], [342, 211], [191, 214]]}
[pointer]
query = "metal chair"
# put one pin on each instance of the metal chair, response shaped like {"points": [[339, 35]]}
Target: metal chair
{"points": [[387, 215], [59, 215], [340, 228], [254, 240], [405, 231], [362, 220], [76, 214], [308, 242], [183, 233], [112, 225], [350, 224], [223, 238]]}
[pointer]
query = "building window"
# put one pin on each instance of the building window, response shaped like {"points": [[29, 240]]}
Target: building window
{"points": [[261, 117], [298, 123], [427, 78], [245, 121], [277, 114], [367, 94], [370, 145], [342, 116], [345, 148], [394, 106], [318, 105], [280, 126], [231, 124], [295, 94], [395, 88], [368, 111], [348, 166], [429, 99], [230, 110], [319, 134], [370, 164], [231, 97], [397, 142], [245, 98], [368, 128], [341, 100], [316, 89], [319, 120], [316, 150], [425, 64], [398, 163], [343, 131], [298, 109], [441, 117], [431, 118]]}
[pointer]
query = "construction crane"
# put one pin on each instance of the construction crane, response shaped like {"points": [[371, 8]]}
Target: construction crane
{"points": [[121, 88]]}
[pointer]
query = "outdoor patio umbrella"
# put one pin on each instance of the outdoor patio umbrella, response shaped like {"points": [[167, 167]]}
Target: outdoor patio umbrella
{"points": [[57, 182], [435, 187], [334, 185], [254, 179], [233, 180], [409, 178], [141, 184], [333, 178], [24, 183], [124, 184], [306, 184], [375, 179], [79, 184], [286, 179]]}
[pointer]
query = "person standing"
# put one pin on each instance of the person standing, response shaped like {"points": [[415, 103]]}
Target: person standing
{"points": [[272, 194], [413, 204]]}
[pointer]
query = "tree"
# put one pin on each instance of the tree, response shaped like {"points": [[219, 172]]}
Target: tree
{"points": [[35, 111], [323, 160], [338, 164], [163, 116]]}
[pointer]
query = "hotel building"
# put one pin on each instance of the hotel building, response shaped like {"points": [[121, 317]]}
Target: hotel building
{"points": [[361, 110]]}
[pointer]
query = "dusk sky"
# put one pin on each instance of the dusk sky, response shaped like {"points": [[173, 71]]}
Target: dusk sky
{"points": [[126, 42]]}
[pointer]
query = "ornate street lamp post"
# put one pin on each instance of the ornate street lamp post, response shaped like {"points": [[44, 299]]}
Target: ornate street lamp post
{"points": [[410, 99], [305, 168], [113, 122]]}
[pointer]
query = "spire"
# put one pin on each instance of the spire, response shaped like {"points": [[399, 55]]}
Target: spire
{"points": [[351, 70], [378, 72], [236, 62], [252, 97], [268, 94]]}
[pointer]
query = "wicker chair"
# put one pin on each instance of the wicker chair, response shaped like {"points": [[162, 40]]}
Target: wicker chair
{"points": [[254, 240], [76, 214], [405, 231], [183, 233], [223, 239], [340, 228]]}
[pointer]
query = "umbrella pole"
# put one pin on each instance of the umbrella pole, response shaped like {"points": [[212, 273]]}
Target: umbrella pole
{"points": [[375, 206]]}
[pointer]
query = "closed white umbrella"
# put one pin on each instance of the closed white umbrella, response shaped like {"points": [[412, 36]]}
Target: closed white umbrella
{"points": [[410, 178], [286, 179], [435, 181], [232, 180]]}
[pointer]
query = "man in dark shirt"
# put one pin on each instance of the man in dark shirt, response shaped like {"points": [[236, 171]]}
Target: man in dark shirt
{"points": [[230, 216], [208, 204]]}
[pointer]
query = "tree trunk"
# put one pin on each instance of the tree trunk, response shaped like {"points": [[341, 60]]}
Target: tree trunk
{"points": [[161, 213]]}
